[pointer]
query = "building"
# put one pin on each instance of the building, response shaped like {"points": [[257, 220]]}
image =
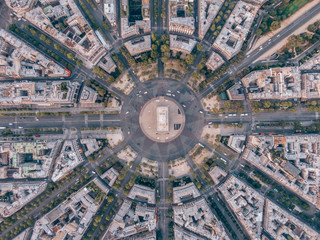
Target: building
{"points": [[90, 146], [208, 12], [132, 218], [197, 217], [274, 83], [142, 194], [110, 176], [234, 32], [88, 95], [215, 61], [182, 44], [50, 93], [107, 64], [181, 16], [185, 193], [134, 21], [246, 203], [298, 167], [17, 59], [237, 142], [139, 45], [236, 92], [15, 195], [109, 9], [21, 6], [217, 174], [27, 159], [69, 158], [74, 32], [70, 218], [281, 224], [182, 234]]}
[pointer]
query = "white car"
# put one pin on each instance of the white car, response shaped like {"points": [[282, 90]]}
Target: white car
{"points": [[10, 124], [20, 127]]}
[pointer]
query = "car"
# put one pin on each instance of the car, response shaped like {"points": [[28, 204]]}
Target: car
{"points": [[184, 105], [37, 119], [168, 94], [10, 124], [242, 114], [178, 91], [93, 172], [127, 112], [128, 132], [173, 95], [169, 90], [20, 127], [246, 114], [200, 111], [145, 92], [210, 123], [230, 115], [234, 115], [278, 35]]}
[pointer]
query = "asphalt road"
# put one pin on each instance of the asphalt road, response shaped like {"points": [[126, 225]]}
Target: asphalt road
{"points": [[72, 121], [132, 104], [249, 59]]}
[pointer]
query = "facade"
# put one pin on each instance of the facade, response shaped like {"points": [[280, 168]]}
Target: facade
{"points": [[75, 32], [180, 16]]}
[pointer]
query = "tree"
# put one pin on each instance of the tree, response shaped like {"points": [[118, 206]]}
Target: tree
{"points": [[267, 104], [154, 37], [79, 62], [165, 48], [206, 167], [165, 37], [189, 59], [258, 32], [200, 47], [274, 25], [42, 37], [70, 56], [164, 59], [110, 198]]}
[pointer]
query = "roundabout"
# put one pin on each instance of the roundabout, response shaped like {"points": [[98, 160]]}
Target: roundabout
{"points": [[163, 119]]}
